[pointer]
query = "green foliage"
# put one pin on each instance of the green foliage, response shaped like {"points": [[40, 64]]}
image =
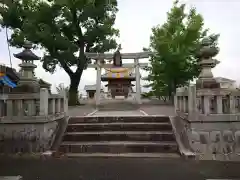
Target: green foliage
{"points": [[175, 45], [64, 29]]}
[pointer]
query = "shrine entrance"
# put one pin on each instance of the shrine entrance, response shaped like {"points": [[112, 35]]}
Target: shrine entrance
{"points": [[118, 76], [119, 87]]}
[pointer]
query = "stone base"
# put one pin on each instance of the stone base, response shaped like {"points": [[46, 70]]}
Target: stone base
{"points": [[219, 140], [207, 83], [27, 137]]}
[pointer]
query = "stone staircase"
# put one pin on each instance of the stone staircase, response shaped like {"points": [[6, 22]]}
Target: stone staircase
{"points": [[128, 136]]}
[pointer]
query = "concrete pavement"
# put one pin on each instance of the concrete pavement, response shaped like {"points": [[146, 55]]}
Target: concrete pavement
{"points": [[117, 169]]}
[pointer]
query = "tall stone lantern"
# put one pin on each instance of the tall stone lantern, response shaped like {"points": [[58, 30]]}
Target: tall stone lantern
{"points": [[28, 82], [206, 54]]}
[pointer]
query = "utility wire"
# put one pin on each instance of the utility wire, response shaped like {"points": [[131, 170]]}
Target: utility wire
{"points": [[9, 51]]}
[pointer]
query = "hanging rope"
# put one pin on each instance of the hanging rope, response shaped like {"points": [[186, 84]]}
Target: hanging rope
{"points": [[9, 51]]}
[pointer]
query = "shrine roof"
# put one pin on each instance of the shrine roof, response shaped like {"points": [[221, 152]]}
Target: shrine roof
{"points": [[222, 79], [131, 85], [108, 76], [42, 82], [10, 72], [118, 73]]}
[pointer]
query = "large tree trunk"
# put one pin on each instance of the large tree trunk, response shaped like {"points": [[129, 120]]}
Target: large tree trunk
{"points": [[73, 89]]}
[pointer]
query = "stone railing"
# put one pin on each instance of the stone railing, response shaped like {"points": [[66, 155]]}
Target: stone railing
{"points": [[213, 118], [207, 101], [30, 122], [32, 106]]}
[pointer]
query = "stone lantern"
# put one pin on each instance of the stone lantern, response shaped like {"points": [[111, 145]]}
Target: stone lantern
{"points": [[206, 54], [28, 82]]}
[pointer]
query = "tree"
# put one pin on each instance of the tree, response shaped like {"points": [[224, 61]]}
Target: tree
{"points": [[175, 46], [64, 30]]}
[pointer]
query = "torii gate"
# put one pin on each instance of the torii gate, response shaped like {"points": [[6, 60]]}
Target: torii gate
{"points": [[109, 56]]}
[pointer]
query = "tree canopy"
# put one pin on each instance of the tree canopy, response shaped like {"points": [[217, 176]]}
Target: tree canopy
{"points": [[64, 30], [175, 46]]}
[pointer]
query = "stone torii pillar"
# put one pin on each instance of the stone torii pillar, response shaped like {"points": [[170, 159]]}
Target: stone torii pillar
{"points": [[138, 86], [98, 82]]}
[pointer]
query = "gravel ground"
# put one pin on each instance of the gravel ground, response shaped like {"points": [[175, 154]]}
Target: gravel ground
{"points": [[117, 169]]}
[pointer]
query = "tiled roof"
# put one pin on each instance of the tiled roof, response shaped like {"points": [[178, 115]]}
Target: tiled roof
{"points": [[90, 87], [222, 79], [118, 73]]}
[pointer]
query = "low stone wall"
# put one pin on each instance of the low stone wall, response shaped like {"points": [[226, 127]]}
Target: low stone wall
{"points": [[27, 136], [181, 130], [214, 140]]}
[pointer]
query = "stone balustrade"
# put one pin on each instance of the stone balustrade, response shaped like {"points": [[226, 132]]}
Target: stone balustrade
{"points": [[213, 120], [23, 106], [207, 101], [30, 122]]}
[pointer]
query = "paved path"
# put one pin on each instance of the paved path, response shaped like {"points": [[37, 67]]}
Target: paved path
{"points": [[158, 109], [117, 169], [80, 110], [144, 109], [118, 113]]}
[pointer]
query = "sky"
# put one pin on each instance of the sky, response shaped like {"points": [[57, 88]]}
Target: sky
{"points": [[135, 20]]}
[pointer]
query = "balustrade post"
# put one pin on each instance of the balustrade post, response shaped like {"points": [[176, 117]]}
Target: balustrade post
{"points": [[20, 107], [2, 107], [43, 102], [9, 108], [181, 103], [176, 103], [52, 106], [219, 105], [31, 110], [192, 99], [206, 102], [58, 105], [232, 105], [65, 101], [185, 104]]}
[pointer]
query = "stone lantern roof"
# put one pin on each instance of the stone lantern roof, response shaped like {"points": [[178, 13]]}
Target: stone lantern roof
{"points": [[27, 54]]}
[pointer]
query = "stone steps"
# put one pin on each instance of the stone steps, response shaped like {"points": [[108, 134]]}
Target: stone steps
{"points": [[119, 126], [122, 119], [118, 108], [125, 155], [120, 136], [118, 147]]}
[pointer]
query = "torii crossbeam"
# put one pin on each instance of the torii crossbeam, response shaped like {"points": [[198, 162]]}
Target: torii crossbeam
{"points": [[108, 56]]}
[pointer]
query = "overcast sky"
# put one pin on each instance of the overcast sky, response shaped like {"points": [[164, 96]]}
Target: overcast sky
{"points": [[135, 20]]}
